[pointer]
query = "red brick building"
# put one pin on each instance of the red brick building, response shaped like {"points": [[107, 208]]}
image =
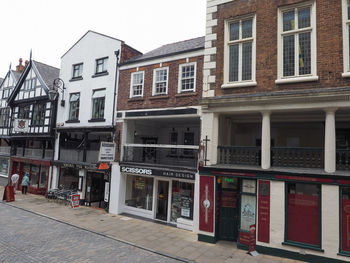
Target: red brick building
{"points": [[275, 118], [158, 134]]}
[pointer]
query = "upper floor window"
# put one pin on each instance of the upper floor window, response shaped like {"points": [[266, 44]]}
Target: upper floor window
{"points": [[346, 37], [4, 117], [160, 81], [39, 114], [98, 103], [101, 65], [239, 60], [24, 112], [77, 70], [74, 102], [6, 92], [136, 86], [29, 84], [297, 41], [187, 77]]}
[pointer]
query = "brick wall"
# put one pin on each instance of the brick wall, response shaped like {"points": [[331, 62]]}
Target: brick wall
{"points": [[172, 99], [128, 53], [329, 45]]}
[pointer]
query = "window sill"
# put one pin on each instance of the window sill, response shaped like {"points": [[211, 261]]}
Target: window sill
{"points": [[135, 99], [156, 97], [76, 79], [100, 74], [346, 75], [239, 85], [97, 120], [301, 245], [296, 80], [186, 94], [73, 121], [344, 253]]}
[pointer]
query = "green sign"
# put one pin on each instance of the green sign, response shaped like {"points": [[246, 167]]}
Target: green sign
{"points": [[229, 180]]}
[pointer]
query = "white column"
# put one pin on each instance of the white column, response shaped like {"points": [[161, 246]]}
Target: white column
{"points": [[210, 129], [329, 141], [265, 141]]}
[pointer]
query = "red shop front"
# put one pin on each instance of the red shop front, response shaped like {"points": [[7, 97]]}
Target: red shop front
{"points": [[38, 171]]}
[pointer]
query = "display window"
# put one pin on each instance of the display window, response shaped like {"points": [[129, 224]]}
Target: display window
{"points": [[44, 171], [303, 213], [248, 204], [182, 200], [345, 219], [34, 175], [139, 192], [69, 178], [4, 166]]}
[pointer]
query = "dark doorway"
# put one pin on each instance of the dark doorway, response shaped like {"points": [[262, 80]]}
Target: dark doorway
{"points": [[227, 198], [95, 188], [162, 201]]}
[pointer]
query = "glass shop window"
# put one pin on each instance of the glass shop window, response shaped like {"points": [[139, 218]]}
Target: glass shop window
{"points": [[182, 201], [139, 192]]}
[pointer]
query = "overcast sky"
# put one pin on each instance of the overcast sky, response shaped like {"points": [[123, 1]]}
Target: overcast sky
{"points": [[51, 27]]}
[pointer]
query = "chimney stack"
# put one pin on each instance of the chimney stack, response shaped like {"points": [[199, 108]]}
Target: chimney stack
{"points": [[20, 67]]}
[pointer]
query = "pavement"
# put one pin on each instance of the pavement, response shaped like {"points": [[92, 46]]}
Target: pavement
{"points": [[150, 236]]}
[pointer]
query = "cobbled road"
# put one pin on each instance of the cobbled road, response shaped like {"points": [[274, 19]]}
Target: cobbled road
{"points": [[30, 238]]}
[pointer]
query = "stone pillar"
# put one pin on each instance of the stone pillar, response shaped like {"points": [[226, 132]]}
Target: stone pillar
{"points": [[329, 142], [265, 141], [210, 129]]}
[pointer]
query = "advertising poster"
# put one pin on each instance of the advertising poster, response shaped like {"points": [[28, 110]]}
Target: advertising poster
{"points": [[248, 211]]}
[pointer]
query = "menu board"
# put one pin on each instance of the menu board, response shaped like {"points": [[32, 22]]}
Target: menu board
{"points": [[186, 206]]}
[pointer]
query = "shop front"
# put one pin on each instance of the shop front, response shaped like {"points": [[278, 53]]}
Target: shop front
{"points": [[38, 174], [91, 183], [164, 195]]}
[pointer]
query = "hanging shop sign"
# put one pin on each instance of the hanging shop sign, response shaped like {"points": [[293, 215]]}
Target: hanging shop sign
{"points": [[21, 125], [158, 172], [107, 152]]}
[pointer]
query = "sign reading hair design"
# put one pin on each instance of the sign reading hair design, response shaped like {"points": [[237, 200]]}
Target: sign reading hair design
{"points": [[158, 172]]}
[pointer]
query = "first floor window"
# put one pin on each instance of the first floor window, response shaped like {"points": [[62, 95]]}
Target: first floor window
{"points": [[187, 77], [74, 102], [345, 219], [303, 213], [24, 112], [160, 81], [98, 103], [136, 84], [39, 114], [139, 192]]}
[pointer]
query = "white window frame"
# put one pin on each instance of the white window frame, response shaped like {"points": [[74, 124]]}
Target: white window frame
{"points": [[297, 78], [80, 70], [179, 89], [346, 24], [132, 84], [154, 81], [240, 82]]}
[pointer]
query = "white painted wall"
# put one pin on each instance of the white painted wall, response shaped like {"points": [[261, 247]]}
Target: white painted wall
{"points": [[91, 47]]}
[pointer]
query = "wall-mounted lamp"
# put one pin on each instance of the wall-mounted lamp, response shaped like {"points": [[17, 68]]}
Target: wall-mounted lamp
{"points": [[57, 84], [135, 133]]}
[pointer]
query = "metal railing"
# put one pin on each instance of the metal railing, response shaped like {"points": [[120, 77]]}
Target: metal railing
{"points": [[343, 160], [239, 155], [298, 157], [71, 155], [162, 154]]}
